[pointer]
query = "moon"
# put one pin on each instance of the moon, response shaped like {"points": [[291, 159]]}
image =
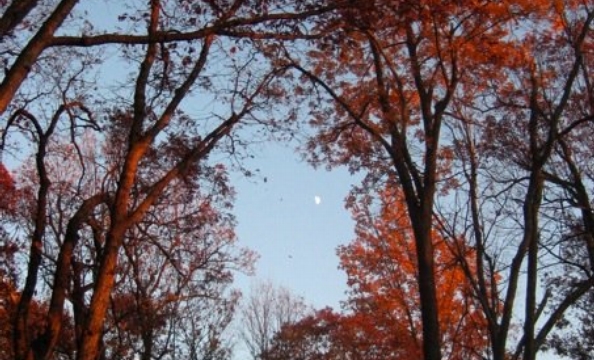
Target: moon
{"points": [[317, 200]]}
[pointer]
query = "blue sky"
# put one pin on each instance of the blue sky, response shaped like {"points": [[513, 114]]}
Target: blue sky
{"points": [[295, 237]]}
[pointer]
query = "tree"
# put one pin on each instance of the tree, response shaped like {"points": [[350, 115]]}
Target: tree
{"points": [[171, 297], [8, 205], [161, 141], [397, 70], [381, 318], [8, 266], [384, 301], [401, 87], [8, 189], [479, 113], [522, 181], [9, 274], [264, 313], [176, 262], [14, 15], [232, 20], [319, 336]]}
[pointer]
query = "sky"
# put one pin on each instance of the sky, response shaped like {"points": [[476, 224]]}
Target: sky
{"points": [[295, 237]]}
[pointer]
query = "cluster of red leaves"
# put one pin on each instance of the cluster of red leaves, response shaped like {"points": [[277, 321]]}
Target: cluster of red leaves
{"points": [[7, 191]]}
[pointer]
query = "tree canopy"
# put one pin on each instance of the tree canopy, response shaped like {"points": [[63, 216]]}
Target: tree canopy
{"points": [[471, 123]]}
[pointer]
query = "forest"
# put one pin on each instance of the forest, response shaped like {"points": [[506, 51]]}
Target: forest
{"points": [[470, 123]]}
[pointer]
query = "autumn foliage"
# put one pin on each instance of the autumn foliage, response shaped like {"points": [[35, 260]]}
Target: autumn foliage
{"points": [[8, 190], [8, 269], [381, 268], [469, 121]]}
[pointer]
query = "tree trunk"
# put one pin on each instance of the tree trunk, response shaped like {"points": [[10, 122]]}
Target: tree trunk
{"points": [[89, 348], [44, 348], [428, 296], [21, 335]]}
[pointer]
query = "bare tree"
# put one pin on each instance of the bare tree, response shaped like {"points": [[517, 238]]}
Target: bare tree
{"points": [[264, 312]]}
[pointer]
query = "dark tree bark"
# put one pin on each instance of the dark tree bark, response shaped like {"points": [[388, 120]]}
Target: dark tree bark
{"points": [[14, 15], [22, 66]]}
